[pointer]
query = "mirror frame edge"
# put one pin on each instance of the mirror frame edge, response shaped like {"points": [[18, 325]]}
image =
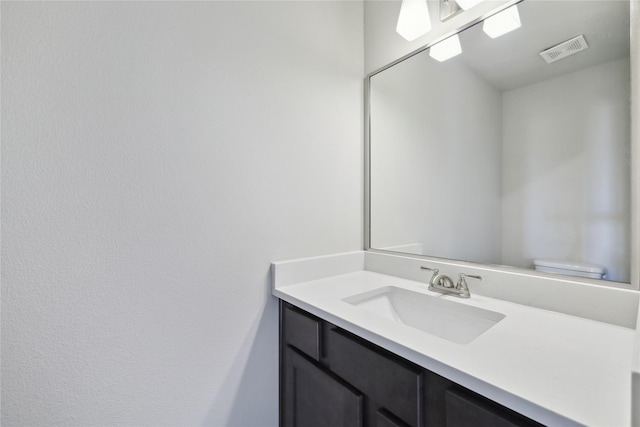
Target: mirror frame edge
{"points": [[634, 95]]}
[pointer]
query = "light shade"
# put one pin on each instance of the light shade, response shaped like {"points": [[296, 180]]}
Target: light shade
{"points": [[447, 48], [468, 4], [502, 22], [414, 20]]}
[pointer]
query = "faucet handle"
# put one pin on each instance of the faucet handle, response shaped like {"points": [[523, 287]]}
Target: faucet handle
{"points": [[472, 276], [435, 273], [462, 284]]}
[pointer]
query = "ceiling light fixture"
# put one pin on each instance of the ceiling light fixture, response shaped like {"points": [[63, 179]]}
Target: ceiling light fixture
{"points": [[468, 4], [447, 48], [414, 20], [502, 22]]}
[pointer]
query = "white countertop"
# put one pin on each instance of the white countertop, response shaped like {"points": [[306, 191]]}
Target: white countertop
{"points": [[558, 369]]}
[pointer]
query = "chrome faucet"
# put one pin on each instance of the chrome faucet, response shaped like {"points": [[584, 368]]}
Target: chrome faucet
{"points": [[443, 283]]}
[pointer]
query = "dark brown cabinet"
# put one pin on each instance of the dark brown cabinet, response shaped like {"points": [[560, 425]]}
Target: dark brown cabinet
{"points": [[332, 378], [311, 391], [467, 409]]}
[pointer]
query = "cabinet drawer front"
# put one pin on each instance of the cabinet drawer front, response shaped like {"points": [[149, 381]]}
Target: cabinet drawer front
{"points": [[392, 383], [303, 332], [317, 398], [465, 409]]}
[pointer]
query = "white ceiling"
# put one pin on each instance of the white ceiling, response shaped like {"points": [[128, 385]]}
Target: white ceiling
{"points": [[513, 60]]}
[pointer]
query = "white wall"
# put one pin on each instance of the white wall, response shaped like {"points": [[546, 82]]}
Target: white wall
{"points": [[435, 160], [156, 158], [565, 194]]}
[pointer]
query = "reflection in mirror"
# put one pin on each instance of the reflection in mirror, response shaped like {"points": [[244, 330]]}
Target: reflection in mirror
{"points": [[496, 156]]}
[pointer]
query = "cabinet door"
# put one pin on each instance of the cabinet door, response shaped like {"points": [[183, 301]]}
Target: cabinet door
{"points": [[393, 383], [313, 397], [465, 409]]}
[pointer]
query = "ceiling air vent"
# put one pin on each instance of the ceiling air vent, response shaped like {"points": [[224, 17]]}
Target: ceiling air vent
{"points": [[564, 49]]}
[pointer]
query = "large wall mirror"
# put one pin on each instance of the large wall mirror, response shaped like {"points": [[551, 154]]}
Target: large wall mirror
{"points": [[496, 156]]}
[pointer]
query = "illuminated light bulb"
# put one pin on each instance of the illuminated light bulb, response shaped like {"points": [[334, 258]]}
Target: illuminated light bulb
{"points": [[502, 22], [468, 4], [447, 48], [414, 20]]}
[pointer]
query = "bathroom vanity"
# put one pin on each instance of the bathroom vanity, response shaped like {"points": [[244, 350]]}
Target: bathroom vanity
{"points": [[346, 361], [331, 377]]}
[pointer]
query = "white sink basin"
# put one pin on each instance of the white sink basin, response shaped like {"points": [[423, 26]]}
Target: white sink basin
{"points": [[453, 321]]}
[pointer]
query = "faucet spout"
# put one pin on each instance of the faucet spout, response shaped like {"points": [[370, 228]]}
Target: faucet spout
{"points": [[442, 283]]}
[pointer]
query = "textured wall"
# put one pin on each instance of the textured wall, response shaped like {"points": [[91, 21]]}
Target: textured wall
{"points": [[156, 157]]}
